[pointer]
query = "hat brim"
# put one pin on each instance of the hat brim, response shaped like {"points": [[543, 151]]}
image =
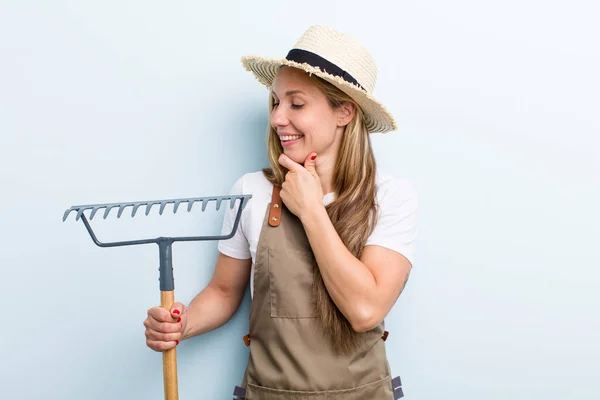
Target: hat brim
{"points": [[377, 118]]}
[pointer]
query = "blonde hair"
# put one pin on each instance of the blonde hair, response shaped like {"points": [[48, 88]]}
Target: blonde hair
{"points": [[352, 213]]}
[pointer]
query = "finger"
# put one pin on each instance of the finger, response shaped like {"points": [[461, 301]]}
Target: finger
{"points": [[160, 346], [177, 310], [160, 314], [310, 162], [289, 163], [164, 327], [151, 334]]}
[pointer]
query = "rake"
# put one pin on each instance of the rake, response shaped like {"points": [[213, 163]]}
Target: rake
{"points": [[167, 284]]}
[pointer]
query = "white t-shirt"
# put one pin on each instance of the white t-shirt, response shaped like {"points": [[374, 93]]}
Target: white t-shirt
{"points": [[395, 229]]}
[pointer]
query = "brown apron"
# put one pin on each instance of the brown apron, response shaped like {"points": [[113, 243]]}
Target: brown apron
{"points": [[289, 357]]}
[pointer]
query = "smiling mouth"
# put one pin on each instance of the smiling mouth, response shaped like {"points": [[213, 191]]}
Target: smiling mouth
{"points": [[287, 138]]}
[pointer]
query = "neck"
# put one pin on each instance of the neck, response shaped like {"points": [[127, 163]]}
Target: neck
{"points": [[325, 167], [326, 161]]}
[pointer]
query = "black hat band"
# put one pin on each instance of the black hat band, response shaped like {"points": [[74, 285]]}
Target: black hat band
{"points": [[315, 60]]}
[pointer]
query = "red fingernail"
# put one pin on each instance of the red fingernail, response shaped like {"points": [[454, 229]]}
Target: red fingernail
{"points": [[313, 157], [175, 311], [176, 342], [179, 319]]}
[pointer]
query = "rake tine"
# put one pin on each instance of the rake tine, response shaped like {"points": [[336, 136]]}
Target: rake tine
{"points": [[135, 207], [205, 203], [176, 206], [190, 204], [149, 206], [219, 203], [232, 202], [80, 212], [108, 208], [66, 214], [94, 211], [121, 209], [162, 207]]}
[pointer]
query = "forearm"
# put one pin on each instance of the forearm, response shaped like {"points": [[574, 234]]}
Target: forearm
{"points": [[349, 282], [210, 309]]}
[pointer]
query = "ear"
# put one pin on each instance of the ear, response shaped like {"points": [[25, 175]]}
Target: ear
{"points": [[346, 113]]}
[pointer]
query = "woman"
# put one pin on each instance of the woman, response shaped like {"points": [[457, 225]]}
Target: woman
{"points": [[326, 240]]}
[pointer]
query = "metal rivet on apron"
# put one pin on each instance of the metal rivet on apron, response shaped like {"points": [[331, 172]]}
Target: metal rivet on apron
{"points": [[385, 335], [274, 218], [276, 205], [247, 340]]}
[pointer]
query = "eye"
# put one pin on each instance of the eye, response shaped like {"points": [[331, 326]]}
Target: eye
{"points": [[297, 106], [275, 104]]}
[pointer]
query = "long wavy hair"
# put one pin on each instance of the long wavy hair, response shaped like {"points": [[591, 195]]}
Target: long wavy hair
{"points": [[352, 213]]}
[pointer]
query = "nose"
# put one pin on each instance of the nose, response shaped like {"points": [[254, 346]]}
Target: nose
{"points": [[279, 117]]}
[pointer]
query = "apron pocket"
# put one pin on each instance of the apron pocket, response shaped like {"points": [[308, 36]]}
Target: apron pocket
{"points": [[255, 392], [290, 283], [378, 390]]}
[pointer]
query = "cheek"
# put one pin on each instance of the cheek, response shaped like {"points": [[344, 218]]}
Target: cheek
{"points": [[317, 126], [322, 132]]}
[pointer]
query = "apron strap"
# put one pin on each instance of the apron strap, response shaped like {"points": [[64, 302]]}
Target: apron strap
{"points": [[276, 205]]}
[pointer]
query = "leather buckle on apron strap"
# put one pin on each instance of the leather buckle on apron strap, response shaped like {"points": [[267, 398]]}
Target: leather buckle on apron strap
{"points": [[247, 340], [397, 386], [240, 393], [385, 335], [276, 204]]}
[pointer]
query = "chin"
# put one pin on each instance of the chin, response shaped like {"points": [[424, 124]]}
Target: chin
{"points": [[296, 156]]}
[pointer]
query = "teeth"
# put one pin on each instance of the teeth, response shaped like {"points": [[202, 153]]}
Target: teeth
{"points": [[292, 137]]}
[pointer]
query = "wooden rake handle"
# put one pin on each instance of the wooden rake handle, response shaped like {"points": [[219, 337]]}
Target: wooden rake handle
{"points": [[167, 298]]}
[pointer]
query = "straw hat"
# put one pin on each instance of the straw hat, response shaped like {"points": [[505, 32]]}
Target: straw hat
{"points": [[338, 59]]}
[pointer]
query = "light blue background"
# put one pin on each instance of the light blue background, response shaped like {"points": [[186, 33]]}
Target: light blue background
{"points": [[497, 104]]}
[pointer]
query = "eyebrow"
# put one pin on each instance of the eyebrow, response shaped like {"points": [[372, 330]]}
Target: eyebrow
{"points": [[291, 92]]}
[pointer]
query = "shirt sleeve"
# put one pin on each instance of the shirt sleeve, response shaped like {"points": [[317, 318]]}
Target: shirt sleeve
{"points": [[396, 227], [237, 246]]}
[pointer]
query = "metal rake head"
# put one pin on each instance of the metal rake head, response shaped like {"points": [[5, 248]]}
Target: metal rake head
{"points": [[135, 205]]}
